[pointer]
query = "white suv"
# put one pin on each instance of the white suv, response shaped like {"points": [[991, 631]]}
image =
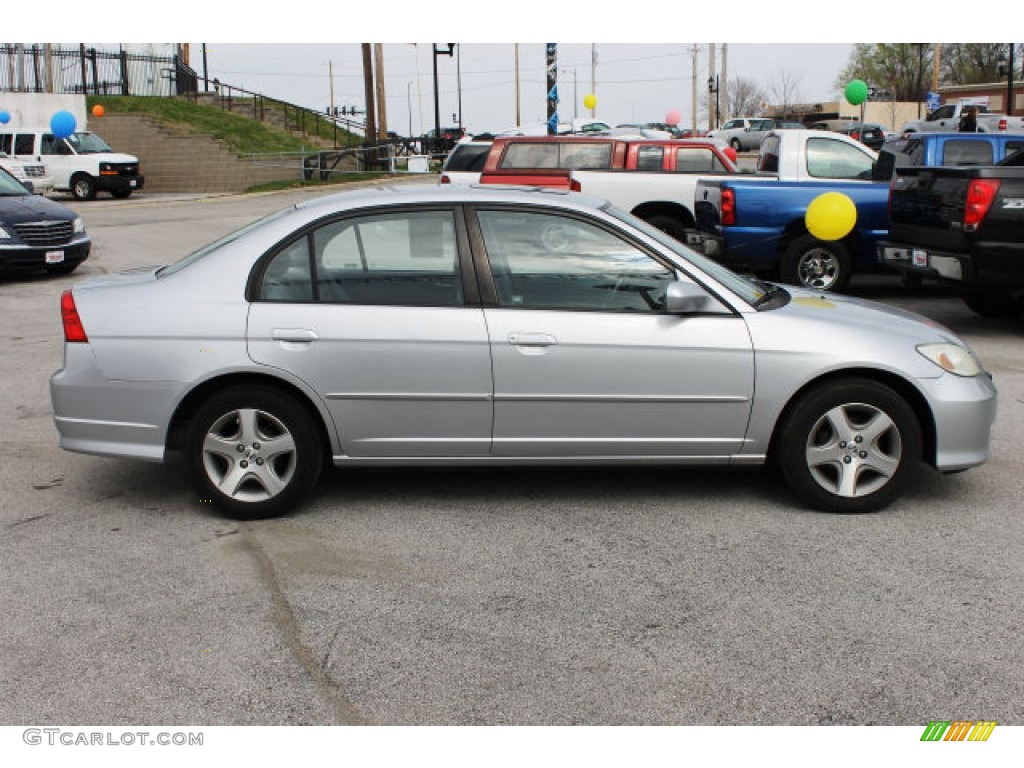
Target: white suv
{"points": [[730, 132]]}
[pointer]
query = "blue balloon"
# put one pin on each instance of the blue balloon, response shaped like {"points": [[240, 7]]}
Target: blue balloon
{"points": [[62, 124], [5, 116]]}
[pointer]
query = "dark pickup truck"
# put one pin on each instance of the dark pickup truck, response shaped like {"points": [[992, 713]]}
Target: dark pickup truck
{"points": [[963, 225]]}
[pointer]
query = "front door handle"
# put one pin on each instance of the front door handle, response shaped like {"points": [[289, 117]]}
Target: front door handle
{"points": [[300, 335], [532, 339]]}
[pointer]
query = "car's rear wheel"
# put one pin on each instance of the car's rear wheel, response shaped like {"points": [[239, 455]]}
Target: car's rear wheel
{"points": [[735, 144], [253, 452], [819, 264], [850, 446]]}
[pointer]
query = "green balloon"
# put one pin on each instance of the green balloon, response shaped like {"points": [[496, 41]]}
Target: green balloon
{"points": [[856, 92]]}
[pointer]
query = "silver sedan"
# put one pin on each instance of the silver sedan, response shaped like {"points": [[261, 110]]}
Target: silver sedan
{"points": [[451, 325]]}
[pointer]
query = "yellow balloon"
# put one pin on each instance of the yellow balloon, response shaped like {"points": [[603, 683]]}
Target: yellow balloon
{"points": [[831, 216], [590, 101]]}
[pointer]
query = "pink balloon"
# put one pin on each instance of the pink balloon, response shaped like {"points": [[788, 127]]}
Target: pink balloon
{"points": [[673, 117]]}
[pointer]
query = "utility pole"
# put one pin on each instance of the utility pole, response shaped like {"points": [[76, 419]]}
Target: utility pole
{"points": [[370, 131], [330, 75], [725, 82], [593, 77], [711, 79], [382, 105], [935, 67], [518, 103], [693, 67]]}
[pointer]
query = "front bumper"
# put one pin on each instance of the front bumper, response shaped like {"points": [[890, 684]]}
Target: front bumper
{"points": [[17, 256], [120, 183], [964, 411]]}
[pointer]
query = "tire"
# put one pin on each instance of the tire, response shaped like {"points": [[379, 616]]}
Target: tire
{"points": [[822, 265], [121, 194], [994, 304], [735, 144], [850, 446], [253, 452], [670, 225], [83, 187]]}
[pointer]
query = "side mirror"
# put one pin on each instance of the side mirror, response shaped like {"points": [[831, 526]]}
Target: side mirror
{"points": [[29, 186], [683, 298]]}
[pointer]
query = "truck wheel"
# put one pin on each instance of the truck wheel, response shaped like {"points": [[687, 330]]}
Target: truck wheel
{"points": [[819, 264], [849, 446], [83, 187], [670, 225], [994, 304]]}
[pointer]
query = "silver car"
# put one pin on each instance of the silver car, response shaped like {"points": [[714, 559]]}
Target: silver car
{"points": [[457, 325]]}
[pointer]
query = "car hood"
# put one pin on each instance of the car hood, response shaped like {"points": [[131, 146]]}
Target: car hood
{"points": [[21, 208], [851, 312]]}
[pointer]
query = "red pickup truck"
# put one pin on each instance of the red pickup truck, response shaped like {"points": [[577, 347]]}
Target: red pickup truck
{"points": [[653, 179]]}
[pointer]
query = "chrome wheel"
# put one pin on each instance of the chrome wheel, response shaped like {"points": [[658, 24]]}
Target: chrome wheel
{"points": [[249, 455], [818, 268], [854, 450]]}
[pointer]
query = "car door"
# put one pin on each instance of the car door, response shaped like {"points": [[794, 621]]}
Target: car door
{"points": [[587, 362], [373, 313]]}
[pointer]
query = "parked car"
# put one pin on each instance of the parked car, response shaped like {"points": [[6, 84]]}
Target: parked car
{"points": [[435, 143], [456, 325], [750, 138], [871, 135], [36, 233], [729, 133]]}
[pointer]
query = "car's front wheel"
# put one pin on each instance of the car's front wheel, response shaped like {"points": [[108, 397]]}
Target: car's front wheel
{"points": [[849, 446], [253, 452], [83, 187]]}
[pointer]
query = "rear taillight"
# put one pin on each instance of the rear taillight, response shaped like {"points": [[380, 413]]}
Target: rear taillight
{"points": [[980, 194], [445, 179], [855, 135], [74, 331], [1002, 124], [728, 207], [575, 186]]}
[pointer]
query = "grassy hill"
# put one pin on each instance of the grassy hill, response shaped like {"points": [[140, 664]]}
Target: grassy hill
{"points": [[243, 134]]}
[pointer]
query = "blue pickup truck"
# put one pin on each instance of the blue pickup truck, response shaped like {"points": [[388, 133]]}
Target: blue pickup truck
{"points": [[756, 222]]}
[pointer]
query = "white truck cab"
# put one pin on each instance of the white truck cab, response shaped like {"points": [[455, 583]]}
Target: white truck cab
{"points": [[82, 164]]}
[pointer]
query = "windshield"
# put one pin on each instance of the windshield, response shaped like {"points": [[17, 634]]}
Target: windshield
{"points": [[749, 290], [216, 245], [88, 143], [10, 186]]}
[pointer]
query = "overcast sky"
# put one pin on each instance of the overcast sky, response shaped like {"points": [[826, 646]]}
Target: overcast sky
{"points": [[632, 82]]}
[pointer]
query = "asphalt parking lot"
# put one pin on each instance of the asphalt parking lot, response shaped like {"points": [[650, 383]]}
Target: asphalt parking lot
{"points": [[500, 597]]}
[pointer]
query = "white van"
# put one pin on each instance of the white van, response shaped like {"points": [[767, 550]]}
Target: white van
{"points": [[30, 173], [82, 164]]}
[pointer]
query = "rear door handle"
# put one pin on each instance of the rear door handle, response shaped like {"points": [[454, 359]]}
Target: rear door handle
{"points": [[300, 335], [532, 339]]}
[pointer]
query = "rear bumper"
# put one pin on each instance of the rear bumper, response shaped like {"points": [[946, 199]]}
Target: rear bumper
{"points": [[926, 262]]}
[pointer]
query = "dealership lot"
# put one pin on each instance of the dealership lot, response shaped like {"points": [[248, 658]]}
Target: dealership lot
{"points": [[512, 596]]}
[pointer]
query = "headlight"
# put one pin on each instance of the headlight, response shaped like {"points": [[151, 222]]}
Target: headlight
{"points": [[79, 225], [952, 358]]}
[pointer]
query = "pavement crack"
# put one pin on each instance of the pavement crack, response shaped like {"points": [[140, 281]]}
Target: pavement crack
{"points": [[345, 713]]}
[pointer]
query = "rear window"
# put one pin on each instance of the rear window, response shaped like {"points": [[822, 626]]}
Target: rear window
{"points": [[768, 161], [581, 155], [467, 157], [967, 152]]}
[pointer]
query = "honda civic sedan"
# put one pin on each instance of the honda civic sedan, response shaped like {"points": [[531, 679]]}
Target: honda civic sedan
{"points": [[454, 325]]}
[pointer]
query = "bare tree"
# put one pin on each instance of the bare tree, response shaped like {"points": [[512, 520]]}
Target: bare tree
{"points": [[745, 97], [784, 90]]}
